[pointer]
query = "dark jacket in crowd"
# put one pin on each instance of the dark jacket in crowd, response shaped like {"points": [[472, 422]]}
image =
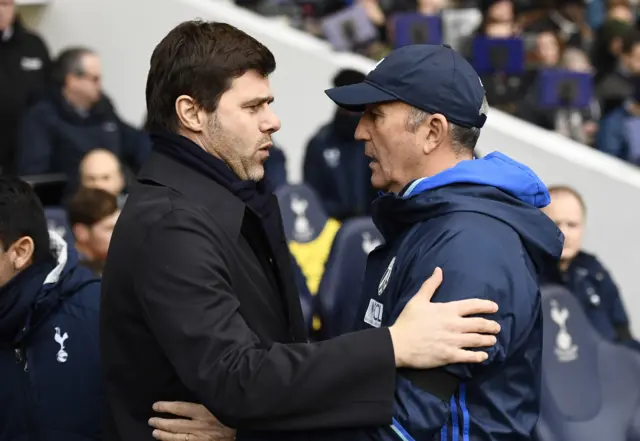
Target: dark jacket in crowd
{"points": [[619, 135], [24, 69], [199, 304], [596, 291], [54, 137], [480, 222], [613, 90], [49, 356], [337, 169], [275, 168]]}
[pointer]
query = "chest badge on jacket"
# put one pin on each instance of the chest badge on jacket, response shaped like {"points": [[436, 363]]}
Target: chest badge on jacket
{"points": [[385, 277], [62, 355]]}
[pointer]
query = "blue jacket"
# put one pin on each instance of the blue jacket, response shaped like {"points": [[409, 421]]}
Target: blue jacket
{"points": [[596, 291], [619, 135], [480, 222], [49, 355]]}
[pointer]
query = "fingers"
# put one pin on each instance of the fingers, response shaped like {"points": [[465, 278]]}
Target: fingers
{"points": [[474, 306], [176, 426], [478, 325], [464, 356], [477, 341], [167, 436], [180, 408], [430, 286]]}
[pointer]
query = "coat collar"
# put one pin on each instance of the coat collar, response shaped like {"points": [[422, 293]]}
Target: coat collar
{"points": [[191, 184]]}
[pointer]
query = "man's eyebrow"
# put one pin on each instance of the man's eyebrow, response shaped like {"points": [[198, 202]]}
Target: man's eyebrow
{"points": [[258, 101]]}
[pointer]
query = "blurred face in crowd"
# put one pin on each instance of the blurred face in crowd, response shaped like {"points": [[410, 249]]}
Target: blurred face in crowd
{"points": [[576, 61], [548, 49], [429, 7], [568, 214], [85, 89], [632, 60], [101, 169], [398, 151], [500, 12], [7, 13], [93, 241], [239, 130], [15, 258], [620, 13]]}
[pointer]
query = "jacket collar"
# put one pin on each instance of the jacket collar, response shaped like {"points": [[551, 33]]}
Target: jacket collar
{"points": [[166, 171]]}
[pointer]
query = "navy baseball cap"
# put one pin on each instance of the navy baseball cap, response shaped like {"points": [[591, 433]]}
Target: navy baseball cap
{"points": [[432, 78]]}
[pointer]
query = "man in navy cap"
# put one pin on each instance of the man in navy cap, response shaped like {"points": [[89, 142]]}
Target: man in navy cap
{"points": [[479, 220]]}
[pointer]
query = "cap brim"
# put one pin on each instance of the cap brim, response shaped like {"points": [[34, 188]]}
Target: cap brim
{"points": [[356, 97]]}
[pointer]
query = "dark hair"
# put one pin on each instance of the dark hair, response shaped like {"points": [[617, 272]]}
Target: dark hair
{"points": [[568, 190], [69, 62], [200, 59], [21, 215], [630, 40], [89, 206]]}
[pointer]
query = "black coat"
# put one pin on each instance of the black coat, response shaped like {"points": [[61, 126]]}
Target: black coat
{"points": [[195, 307], [24, 71]]}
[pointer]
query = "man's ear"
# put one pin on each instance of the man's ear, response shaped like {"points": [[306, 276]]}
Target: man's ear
{"points": [[438, 132], [80, 233], [190, 114], [21, 253]]}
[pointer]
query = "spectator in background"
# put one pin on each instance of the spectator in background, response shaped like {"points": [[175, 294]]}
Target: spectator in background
{"points": [[335, 165], [619, 133], [617, 86], [547, 50], [92, 214], [74, 119], [575, 123], [567, 19], [578, 124], [49, 349], [24, 68], [101, 169], [582, 273], [607, 48]]}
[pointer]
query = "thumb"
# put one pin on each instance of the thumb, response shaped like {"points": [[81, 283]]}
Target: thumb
{"points": [[430, 286]]}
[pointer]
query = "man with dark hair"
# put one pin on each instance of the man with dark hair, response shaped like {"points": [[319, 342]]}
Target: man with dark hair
{"points": [[335, 165], [49, 356], [25, 62], [199, 301], [75, 118], [92, 214]]}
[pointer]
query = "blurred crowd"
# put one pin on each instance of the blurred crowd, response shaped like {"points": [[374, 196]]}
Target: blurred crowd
{"points": [[595, 42]]}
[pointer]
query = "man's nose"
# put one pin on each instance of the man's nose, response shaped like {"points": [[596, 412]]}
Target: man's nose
{"points": [[362, 134], [271, 123]]}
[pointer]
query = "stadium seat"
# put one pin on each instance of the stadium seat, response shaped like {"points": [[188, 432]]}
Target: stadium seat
{"points": [[590, 387], [57, 221], [310, 233], [339, 291], [309, 230]]}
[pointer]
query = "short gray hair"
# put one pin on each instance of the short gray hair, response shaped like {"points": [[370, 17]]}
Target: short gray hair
{"points": [[464, 139]]}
